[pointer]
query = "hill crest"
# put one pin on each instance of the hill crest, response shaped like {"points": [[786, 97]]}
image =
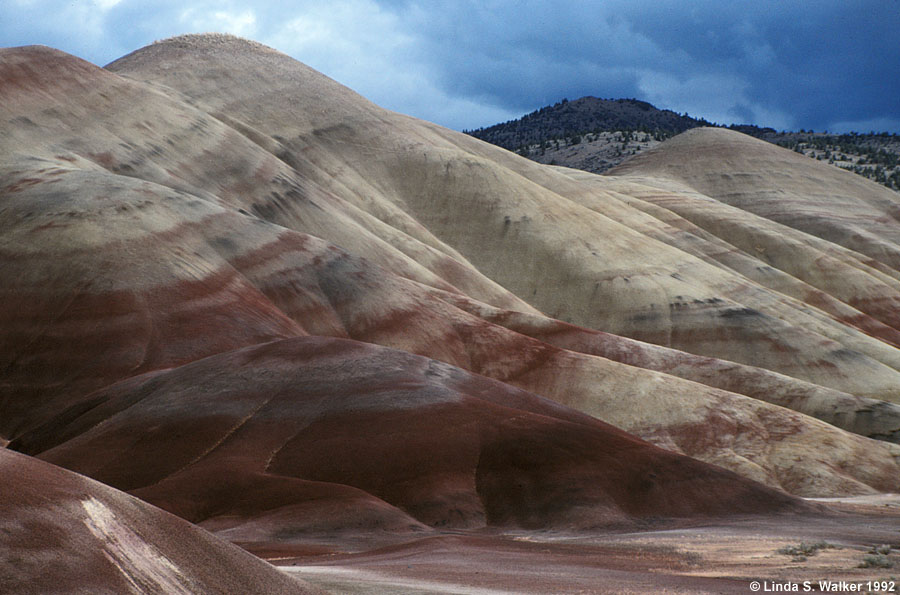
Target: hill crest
{"points": [[596, 135], [588, 114]]}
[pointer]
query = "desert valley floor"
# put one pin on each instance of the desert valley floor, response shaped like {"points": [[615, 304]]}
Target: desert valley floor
{"points": [[258, 334]]}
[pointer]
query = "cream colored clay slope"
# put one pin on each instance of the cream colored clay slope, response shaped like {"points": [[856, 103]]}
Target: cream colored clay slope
{"points": [[789, 221], [573, 250], [69, 111], [781, 185], [175, 278], [107, 217], [823, 282], [795, 263]]}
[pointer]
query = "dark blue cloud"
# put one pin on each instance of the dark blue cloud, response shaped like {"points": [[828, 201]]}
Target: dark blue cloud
{"points": [[526, 54], [800, 64], [838, 66], [790, 64]]}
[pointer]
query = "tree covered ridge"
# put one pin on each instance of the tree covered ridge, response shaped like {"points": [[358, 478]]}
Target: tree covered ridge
{"points": [[566, 119]]}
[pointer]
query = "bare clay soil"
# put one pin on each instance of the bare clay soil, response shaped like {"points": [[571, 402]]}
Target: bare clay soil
{"points": [[696, 557]]}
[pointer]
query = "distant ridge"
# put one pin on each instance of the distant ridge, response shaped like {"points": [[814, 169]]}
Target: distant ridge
{"points": [[586, 115], [596, 135]]}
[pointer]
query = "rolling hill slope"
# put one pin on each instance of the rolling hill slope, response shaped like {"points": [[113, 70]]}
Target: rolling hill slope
{"points": [[244, 293]]}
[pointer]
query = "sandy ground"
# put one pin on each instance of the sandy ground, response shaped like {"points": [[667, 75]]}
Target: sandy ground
{"points": [[713, 557]]}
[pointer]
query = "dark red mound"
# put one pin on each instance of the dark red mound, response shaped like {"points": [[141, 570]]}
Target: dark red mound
{"points": [[302, 422], [60, 532]]}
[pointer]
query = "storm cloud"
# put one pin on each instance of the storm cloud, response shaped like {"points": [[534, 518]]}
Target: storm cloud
{"points": [[823, 65]]}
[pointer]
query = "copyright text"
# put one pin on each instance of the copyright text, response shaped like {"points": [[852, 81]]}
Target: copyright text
{"points": [[824, 586]]}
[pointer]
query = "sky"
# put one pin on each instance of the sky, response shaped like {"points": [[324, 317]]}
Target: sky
{"points": [[809, 64]]}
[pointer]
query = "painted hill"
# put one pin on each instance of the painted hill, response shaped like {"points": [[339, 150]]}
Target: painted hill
{"points": [[247, 295], [62, 532], [783, 187], [267, 440]]}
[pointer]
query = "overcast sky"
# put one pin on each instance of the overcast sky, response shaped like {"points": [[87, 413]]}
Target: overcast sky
{"points": [[812, 64]]}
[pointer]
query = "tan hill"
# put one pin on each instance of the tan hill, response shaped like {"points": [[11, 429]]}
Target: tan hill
{"points": [[549, 257], [561, 246], [596, 135], [221, 268], [248, 282], [64, 533], [219, 278], [781, 186]]}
